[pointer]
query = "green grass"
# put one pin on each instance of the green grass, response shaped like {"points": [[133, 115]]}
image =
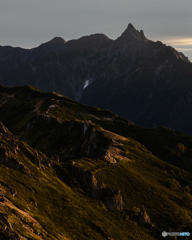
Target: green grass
{"points": [[158, 175]]}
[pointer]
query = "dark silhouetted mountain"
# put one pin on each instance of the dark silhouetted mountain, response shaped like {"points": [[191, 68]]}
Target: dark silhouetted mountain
{"points": [[12, 57], [139, 79]]}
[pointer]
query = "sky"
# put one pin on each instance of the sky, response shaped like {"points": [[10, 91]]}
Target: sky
{"points": [[28, 23]]}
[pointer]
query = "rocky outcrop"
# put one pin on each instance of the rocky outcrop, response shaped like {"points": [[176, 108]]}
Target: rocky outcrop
{"points": [[143, 217], [39, 158], [47, 118], [90, 137], [5, 220], [109, 158], [87, 126], [111, 199], [5, 132], [9, 151], [12, 162]]}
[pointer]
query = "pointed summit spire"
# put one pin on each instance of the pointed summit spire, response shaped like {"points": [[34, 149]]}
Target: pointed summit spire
{"points": [[131, 34], [131, 27]]}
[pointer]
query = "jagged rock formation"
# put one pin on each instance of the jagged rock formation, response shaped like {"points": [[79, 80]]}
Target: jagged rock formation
{"points": [[132, 35], [111, 199]]}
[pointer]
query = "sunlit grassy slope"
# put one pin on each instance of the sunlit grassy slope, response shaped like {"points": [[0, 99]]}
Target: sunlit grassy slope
{"points": [[156, 171]]}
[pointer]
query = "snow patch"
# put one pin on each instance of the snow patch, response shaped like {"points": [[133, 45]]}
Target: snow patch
{"points": [[86, 84]]}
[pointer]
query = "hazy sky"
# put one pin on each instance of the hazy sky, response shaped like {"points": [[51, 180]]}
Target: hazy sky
{"points": [[28, 23]]}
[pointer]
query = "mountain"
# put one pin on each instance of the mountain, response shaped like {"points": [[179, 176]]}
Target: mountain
{"points": [[12, 57], [71, 171], [144, 81]]}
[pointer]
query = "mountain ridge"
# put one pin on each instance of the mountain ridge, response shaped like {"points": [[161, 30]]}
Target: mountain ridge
{"points": [[129, 76]]}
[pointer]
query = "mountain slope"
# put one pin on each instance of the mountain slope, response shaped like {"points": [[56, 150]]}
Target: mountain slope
{"points": [[155, 93], [87, 172]]}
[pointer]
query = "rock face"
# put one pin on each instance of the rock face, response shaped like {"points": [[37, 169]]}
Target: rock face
{"points": [[111, 199]]}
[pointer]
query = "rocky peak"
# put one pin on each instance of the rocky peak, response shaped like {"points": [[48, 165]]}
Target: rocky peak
{"points": [[131, 34], [131, 28]]}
